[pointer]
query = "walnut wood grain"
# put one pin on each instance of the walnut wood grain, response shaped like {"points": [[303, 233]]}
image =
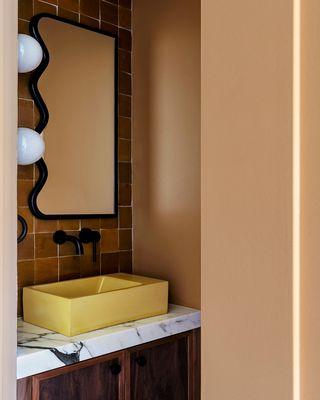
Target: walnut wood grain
{"points": [[24, 389], [165, 375], [88, 380]]}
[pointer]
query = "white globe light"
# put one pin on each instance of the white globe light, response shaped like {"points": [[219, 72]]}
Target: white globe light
{"points": [[29, 53], [30, 146]]}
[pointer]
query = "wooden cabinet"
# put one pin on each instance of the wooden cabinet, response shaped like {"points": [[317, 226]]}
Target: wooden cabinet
{"points": [[99, 381], [160, 372], [95, 379], [167, 369]]}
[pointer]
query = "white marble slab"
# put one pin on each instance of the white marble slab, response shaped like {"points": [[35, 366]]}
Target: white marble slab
{"points": [[41, 350]]}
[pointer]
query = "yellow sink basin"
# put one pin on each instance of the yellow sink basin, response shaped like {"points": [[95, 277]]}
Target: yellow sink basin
{"points": [[82, 305]]}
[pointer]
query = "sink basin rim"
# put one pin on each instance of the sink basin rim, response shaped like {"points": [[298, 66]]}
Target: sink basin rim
{"points": [[75, 315], [101, 277]]}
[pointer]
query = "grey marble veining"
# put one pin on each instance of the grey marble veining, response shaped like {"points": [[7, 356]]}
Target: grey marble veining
{"points": [[41, 350]]}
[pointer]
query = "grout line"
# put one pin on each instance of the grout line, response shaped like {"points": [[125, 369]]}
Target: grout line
{"points": [[25, 99], [127, 95], [50, 4], [24, 20]]}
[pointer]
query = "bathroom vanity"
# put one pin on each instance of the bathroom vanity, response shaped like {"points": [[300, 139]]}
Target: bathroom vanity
{"points": [[75, 272], [156, 358]]}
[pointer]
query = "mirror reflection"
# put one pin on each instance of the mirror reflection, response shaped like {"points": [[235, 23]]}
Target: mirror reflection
{"points": [[78, 88]]}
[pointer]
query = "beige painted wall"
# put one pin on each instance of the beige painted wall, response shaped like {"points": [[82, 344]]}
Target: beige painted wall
{"points": [[247, 199], [166, 147], [8, 213], [310, 181]]}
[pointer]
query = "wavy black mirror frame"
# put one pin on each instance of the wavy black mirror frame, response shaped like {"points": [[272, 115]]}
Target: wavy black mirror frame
{"points": [[44, 118]]}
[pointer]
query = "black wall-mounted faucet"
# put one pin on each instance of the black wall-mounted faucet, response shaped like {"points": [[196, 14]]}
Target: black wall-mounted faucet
{"points": [[60, 237], [87, 235]]}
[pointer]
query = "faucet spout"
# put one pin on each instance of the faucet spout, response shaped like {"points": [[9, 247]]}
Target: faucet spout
{"points": [[60, 237]]}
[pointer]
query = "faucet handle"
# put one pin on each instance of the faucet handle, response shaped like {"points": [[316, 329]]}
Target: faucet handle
{"points": [[87, 235], [60, 237]]}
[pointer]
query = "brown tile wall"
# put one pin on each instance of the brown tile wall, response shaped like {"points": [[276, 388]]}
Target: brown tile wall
{"points": [[40, 260]]}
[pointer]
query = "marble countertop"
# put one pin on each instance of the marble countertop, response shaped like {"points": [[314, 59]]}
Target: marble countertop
{"points": [[41, 350]]}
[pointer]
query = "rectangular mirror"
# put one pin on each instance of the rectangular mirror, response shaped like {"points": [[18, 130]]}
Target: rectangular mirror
{"points": [[77, 84]]}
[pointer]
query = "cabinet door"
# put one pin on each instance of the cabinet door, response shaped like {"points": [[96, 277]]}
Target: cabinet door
{"points": [[84, 381], [161, 371]]}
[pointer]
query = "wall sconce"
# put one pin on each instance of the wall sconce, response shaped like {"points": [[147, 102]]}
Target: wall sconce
{"points": [[30, 146], [29, 53]]}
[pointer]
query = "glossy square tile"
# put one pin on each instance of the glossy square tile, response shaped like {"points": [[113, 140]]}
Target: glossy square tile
{"points": [[108, 223], [125, 83], [45, 225], [125, 217], [125, 239], [25, 8], [46, 270], [24, 189], [125, 3], [26, 248], [124, 61], [23, 81], [25, 171], [124, 106], [23, 27], [93, 23], [125, 18], [109, 240], [90, 8], [72, 5], [109, 13], [109, 263], [88, 267], [28, 217], [125, 39], [41, 7], [25, 113], [124, 150], [69, 268], [92, 223], [69, 224], [125, 261], [124, 128], [125, 194], [25, 273], [45, 246], [125, 173], [109, 28], [67, 14]]}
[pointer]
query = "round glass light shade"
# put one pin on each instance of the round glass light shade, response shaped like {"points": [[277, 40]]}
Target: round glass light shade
{"points": [[29, 53], [30, 146]]}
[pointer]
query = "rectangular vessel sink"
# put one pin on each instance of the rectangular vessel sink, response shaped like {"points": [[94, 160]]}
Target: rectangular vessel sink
{"points": [[82, 305]]}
